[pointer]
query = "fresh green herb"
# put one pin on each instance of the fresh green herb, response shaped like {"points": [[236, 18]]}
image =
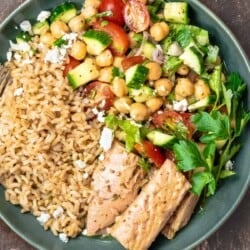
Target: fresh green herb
{"points": [[23, 36], [212, 54], [171, 65], [226, 173], [215, 126], [215, 83], [209, 155], [60, 42], [183, 37], [111, 121], [144, 164], [165, 44], [188, 156], [99, 15], [154, 9]]}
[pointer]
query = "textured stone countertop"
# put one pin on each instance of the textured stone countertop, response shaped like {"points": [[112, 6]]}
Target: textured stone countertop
{"points": [[235, 233]]}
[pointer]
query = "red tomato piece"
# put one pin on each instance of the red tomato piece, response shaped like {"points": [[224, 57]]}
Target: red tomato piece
{"points": [[70, 65], [149, 150], [136, 15], [172, 118], [101, 93], [120, 38], [117, 8], [131, 61]]}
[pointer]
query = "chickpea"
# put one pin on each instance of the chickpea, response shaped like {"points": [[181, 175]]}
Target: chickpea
{"points": [[92, 3], [123, 104], [139, 111], [78, 50], [104, 59], [183, 88], [47, 39], [89, 12], [59, 28], [132, 41], [159, 31], [163, 86], [118, 61], [119, 87], [154, 104], [77, 24], [201, 90], [183, 70], [105, 74], [154, 72]]}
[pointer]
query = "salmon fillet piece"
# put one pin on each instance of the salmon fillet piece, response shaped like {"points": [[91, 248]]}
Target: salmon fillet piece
{"points": [[116, 183], [182, 216], [140, 224]]}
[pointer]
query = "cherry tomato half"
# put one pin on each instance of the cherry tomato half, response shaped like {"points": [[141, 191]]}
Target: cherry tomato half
{"points": [[117, 8], [101, 93], [136, 15], [172, 118], [152, 152], [70, 65], [120, 38], [131, 61]]}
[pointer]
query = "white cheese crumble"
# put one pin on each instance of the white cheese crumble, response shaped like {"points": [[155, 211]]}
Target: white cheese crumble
{"points": [[84, 231], [229, 165], [9, 55], [181, 106], [63, 237], [43, 218], [18, 92], [26, 26], [79, 164], [55, 55], [174, 49], [101, 116], [21, 47], [43, 15], [106, 138], [59, 211]]}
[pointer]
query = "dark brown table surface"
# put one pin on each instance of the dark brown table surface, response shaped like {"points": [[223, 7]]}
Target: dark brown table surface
{"points": [[235, 233]]}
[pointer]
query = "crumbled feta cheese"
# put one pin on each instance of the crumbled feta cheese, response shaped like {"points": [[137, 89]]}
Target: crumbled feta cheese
{"points": [[43, 15], [58, 212], [85, 176], [9, 55], [22, 47], [70, 36], [63, 237], [43, 218], [18, 92], [106, 138], [26, 26], [181, 105], [95, 111], [100, 116], [79, 164], [101, 157], [84, 231], [17, 57], [229, 165], [55, 55]]}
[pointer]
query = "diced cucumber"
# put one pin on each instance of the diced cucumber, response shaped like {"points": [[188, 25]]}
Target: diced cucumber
{"points": [[40, 28], [166, 43], [193, 58], [23, 36], [176, 12], [142, 94], [161, 139], [203, 103], [148, 50], [136, 75], [64, 12], [83, 73], [96, 40]]}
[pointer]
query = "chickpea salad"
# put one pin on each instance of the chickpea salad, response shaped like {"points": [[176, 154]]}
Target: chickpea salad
{"points": [[151, 77]]}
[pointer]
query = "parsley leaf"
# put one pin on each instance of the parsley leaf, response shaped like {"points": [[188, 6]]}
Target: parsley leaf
{"points": [[144, 164], [215, 125], [116, 72], [215, 82], [183, 37], [171, 65], [188, 156], [111, 121]]}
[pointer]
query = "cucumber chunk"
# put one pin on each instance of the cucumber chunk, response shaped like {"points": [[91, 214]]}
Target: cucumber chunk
{"points": [[203, 103], [23, 36], [63, 12], [96, 40], [161, 139], [176, 12], [142, 94], [83, 73], [136, 75], [40, 28]]}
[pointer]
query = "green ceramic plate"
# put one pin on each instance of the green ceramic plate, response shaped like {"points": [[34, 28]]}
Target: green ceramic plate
{"points": [[217, 209]]}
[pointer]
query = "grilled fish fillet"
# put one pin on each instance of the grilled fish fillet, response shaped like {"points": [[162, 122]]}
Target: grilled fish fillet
{"points": [[182, 216], [140, 224], [116, 183]]}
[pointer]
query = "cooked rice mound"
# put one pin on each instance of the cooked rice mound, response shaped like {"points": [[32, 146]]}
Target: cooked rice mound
{"points": [[43, 134]]}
